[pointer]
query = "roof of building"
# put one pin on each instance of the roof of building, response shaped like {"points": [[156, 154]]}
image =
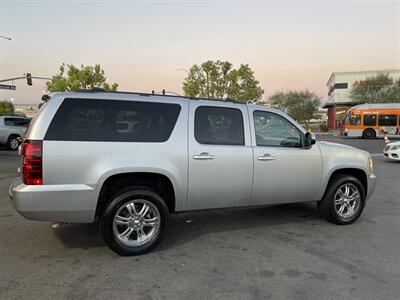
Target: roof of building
{"points": [[329, 104], [362, 72], [378, 105]]}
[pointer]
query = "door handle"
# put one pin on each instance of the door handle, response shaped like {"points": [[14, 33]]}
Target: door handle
{"points": [[266, 157], [203, 156]]}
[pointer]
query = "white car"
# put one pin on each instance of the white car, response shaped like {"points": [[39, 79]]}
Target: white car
{"points": [[12, 130], [392, 151]]}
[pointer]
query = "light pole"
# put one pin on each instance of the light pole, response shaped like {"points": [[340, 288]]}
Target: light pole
{"points": [[7, 38]]}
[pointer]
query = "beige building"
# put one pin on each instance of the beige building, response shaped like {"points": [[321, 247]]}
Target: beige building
{"points": [[339, 86]]}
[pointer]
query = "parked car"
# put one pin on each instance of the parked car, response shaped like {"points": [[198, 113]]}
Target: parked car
{"points": [[12, 130], [392, 151], [129, 160]]}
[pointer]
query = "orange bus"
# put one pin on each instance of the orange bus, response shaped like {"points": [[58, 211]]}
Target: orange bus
{"points": [[372, 120]]}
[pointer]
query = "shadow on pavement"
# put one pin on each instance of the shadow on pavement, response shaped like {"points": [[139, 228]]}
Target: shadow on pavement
{"points": [[185, 227]]}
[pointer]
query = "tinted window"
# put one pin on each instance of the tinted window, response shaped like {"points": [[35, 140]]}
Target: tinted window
{"points": [[113, 121], [218, 126], [22, 122], [369, 120], [337, 86], [387, 120], [274, 130], [9, 121]]}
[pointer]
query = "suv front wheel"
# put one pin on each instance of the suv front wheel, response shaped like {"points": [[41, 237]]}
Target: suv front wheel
{"points": [[13, 142], [134, 222], [344, 200]]}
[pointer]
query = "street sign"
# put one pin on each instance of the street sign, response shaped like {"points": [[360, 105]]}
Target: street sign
{"points": [[7, 87]]}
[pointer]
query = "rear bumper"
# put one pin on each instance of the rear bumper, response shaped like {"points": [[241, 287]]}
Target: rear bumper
{"points": [[75, 203]]}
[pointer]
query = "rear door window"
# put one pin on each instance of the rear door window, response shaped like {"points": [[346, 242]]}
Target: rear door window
{"points": [[113, 121], [369, 120], [22, 122], [218, 126]]}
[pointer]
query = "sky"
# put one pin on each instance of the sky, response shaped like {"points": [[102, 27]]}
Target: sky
{"points": [[148, 45]]}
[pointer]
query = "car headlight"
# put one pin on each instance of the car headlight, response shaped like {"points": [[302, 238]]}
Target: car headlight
{"points": [[370, 165], [395, 148]]}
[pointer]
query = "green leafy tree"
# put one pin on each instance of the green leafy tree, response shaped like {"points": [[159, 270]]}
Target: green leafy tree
{"points": [[300, 105], [376, 89], [6, 108], [71, 78], [219, 80]]}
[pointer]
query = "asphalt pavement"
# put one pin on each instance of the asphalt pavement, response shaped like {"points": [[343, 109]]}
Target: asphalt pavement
{"points": [[276, 252]]}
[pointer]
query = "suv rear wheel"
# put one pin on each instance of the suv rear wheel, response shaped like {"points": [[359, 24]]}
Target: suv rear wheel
{"points": [[344, 200], [134, 222]]}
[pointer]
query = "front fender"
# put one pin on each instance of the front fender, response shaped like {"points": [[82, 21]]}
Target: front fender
{"points": [[337, 157]]}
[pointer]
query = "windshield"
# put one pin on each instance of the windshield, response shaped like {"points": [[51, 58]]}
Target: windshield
{"points": [[346, 118]]}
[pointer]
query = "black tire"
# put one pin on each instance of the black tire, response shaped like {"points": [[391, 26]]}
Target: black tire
{"points": [[369, 134], [12, 142], [327, 205], [117, 202]]}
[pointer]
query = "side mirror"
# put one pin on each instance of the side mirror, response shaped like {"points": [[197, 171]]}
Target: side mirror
{"points": [[309, 139]]}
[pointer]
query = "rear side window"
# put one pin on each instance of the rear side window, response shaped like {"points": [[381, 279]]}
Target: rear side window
{"points": [[218, 126], [113, 121], [387, 120], [9, 121], [369, 120]]}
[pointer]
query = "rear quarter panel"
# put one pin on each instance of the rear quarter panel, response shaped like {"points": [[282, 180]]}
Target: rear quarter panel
{"points": [[91, 163]]}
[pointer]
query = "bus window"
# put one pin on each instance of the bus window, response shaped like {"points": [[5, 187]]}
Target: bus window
{"points": [[387, 120], [355, 120], [369, 120]]}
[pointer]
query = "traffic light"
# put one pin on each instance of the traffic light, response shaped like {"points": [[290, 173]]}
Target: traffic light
{"points": [[29, 79]]}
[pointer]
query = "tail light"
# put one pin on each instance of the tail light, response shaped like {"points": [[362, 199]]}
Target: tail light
{"points": [[31, 156]]}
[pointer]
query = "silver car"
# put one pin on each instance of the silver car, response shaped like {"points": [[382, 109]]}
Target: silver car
{"points": [[129, 160], [12, 130]]}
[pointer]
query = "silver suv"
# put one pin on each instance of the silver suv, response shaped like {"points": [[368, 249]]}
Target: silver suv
{"points": [[12, 129], [128, 160]]}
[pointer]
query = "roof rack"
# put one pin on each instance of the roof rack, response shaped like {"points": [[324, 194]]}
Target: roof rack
{"points": [[163, 94]]}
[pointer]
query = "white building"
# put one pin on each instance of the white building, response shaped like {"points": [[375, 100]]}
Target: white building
{"points": [[339, 86]]}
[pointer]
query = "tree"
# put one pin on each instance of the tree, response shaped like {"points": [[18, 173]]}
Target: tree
{"points": [[300, 105], [376, 89], [219, 80], [6, 108], [85, 77], [279, 100]]}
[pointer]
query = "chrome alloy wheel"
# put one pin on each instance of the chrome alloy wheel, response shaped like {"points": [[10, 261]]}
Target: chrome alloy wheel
{"points": [[14, 144], [136, 222], [347, 200]]}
